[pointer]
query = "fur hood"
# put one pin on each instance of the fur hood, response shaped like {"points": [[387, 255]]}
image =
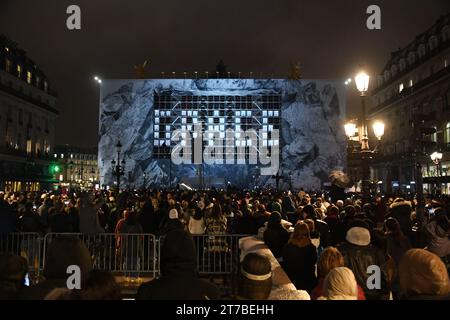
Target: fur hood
{"points": [[400, 203]]}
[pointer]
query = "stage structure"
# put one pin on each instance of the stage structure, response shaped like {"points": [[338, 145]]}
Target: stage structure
{"points": [[297, 124]]}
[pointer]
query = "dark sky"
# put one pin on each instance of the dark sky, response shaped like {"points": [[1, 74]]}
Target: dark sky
{"points": [[329, 38]]}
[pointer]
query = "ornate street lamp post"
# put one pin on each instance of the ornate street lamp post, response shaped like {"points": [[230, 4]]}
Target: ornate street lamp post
{"points": [[118, 169], [362, 84]]}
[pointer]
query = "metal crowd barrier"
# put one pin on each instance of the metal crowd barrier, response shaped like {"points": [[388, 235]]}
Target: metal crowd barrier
{"points": [[133, 255], [25, 244], [217, 254]]}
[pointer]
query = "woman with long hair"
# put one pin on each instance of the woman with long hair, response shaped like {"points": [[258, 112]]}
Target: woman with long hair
{"points": [[300, 257]]}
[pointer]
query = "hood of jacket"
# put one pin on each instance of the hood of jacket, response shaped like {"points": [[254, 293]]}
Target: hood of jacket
{"points": [[178, 254]]}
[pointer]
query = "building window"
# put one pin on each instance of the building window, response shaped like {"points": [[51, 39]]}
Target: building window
{"points": [[445, 63], [29, 145], [45, 86], [19, 70], [447, 133], [8, 65], [29, 76], [434, 136], [411, 83], [401, 87], [37, 81]]}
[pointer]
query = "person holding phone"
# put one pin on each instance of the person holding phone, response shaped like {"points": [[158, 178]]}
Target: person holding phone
{"points": [[13, 271]]}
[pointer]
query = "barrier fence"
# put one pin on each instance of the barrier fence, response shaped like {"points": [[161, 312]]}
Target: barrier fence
{"points": [[132, 255], [25, 244]]}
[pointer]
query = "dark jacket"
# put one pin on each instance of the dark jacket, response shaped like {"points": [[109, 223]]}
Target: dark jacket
{"points": [[8, 218], [402, 212], [31, 222], [61, 223], [276, 238], [299, 264], [179, 279], [358, 258]]}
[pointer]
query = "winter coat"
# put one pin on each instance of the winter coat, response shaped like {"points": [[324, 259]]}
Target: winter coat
{"points": [[276, 239], [89, 222], [179, 279], [439, 242], [359, 254], [402, 212], [299, 263]]}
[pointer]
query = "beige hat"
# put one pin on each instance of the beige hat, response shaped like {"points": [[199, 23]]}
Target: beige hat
{"points": [[173, 214]]}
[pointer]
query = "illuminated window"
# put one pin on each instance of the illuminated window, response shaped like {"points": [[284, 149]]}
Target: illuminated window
{"points": [[29, 146], [401, 87], [29, 76], [434, 136], [411, 83], [7, 49], [447, 133], [19, 70], [8, 65]]}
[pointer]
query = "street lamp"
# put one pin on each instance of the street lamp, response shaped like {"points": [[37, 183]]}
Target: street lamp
{"points": [[118, 169], [351, 130], [436, 157]]}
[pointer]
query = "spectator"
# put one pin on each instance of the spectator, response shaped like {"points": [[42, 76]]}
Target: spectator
{"points": [[30, 220], [100, 285], [149, 218], [359, 255], [8, 219], [255, 278], [438, 230], [330, 259], [89, 222], [197, 223], [179, 280], [320, 226], [13, 270], [62, 253], [340, 284], [275, 236], [299, 258], [423, 276], [401, 210], [172, 222]]}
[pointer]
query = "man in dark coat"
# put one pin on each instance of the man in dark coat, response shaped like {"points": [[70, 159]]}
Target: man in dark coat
{"points": [[179, 280]]}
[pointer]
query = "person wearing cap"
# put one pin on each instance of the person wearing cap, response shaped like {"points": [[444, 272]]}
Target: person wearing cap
{"points": [[255, 278], [171, 222], [179, 279], [359, 254]]}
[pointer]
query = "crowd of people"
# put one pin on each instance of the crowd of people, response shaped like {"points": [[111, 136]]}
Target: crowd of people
{"points": [[333, 248]]}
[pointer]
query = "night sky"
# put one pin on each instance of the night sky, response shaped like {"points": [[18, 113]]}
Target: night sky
{"points": [[329, 38]]}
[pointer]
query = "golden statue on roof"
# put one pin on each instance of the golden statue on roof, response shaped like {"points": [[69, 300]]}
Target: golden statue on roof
{"points": [[140, 70], [295, 73]]}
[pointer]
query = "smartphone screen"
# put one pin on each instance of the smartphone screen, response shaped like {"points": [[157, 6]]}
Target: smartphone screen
{"points": [[27, 280]]}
